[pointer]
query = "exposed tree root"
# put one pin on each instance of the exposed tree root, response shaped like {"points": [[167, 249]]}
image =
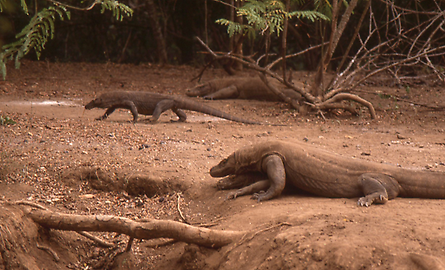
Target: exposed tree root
{"points": [[332, 103], [335, 100], [146, 229]]}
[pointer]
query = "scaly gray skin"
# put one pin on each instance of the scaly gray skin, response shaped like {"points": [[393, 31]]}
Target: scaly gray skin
{"points": [[267, 166], [238, 88], [154, 104]]}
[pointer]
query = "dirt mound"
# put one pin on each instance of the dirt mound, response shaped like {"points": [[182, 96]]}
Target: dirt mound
{"points": [[134, 184]]}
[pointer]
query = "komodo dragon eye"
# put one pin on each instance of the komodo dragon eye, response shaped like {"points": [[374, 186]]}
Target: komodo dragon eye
{"points": [[224, 161]]}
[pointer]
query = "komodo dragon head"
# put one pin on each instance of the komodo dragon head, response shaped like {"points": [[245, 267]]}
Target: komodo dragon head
{"points": [[239, 170], [226, 167], [103, 101], [244, 160], [200, 90]]}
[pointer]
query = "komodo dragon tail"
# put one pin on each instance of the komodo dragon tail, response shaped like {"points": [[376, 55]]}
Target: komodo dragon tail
{"points": [[421, 184], [197, 107]]}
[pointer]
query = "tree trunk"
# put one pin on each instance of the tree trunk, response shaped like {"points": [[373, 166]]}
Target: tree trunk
{"points": [[157, 31]]}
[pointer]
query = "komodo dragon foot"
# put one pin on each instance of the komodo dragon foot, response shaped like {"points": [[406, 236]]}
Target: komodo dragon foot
{"points": [[368, 200]]}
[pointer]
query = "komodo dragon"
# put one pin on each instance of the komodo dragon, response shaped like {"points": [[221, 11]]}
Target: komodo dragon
{"points": [[269, 165], [238, 88], [154, 104]]}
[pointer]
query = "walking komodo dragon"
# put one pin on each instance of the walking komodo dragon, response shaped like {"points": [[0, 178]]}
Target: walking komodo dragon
{"points": [[154, 104], [269, 165], [239, 88]]}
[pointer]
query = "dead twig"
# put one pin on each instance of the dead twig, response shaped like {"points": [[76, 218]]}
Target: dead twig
{"points": [[99, 241], [179, 209], [50, 251], [129, 244]]}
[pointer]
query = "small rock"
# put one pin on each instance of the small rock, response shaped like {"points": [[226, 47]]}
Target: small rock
{"points": [[143, 146]]}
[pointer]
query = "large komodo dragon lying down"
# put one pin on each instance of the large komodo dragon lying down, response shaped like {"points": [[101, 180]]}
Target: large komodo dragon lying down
{"points": [[269, 165], [154, 104], [239, 87]]}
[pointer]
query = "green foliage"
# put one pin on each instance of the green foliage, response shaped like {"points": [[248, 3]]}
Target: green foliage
{"points": [[5, 120], [33, 36], [266, 15], [324, 7], [41, 27], [119, 10]]}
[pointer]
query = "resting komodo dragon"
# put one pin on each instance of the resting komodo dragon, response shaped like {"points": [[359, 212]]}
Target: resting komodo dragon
{"points": [[238, 88], [154, 104], [269, 165]]}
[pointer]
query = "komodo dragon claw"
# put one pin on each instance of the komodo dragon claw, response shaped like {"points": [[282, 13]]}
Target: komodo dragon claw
{"points": [[232, 195], [367, 201]]}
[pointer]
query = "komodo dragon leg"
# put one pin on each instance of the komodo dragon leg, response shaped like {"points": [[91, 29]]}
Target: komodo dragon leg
{"points": [[165, 105], [125, 105], [256, 188], [273, 166], [240, 180], [378, 188], [247, 183], [224, 93]]}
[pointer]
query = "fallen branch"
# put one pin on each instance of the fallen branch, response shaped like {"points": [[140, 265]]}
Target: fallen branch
{"points": [[147, 229]]}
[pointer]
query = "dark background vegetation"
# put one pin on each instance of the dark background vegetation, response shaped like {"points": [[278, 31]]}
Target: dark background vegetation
{"points": [[95, 37]]}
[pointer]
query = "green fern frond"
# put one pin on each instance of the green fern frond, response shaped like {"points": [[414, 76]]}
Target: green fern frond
{"points": [[118, 9], [33, 36], [2, 5], [310, 15], [233, 27], [266, 15], [24, 6]]}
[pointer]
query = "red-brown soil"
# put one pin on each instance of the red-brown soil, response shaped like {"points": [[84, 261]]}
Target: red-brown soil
{"points": [[54, 151]]}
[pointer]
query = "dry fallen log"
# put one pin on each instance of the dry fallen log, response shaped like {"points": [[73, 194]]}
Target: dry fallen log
{"points": [[142, 229]]}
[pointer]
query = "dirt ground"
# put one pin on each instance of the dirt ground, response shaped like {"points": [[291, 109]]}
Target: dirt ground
{"points": [[58, 156]]}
